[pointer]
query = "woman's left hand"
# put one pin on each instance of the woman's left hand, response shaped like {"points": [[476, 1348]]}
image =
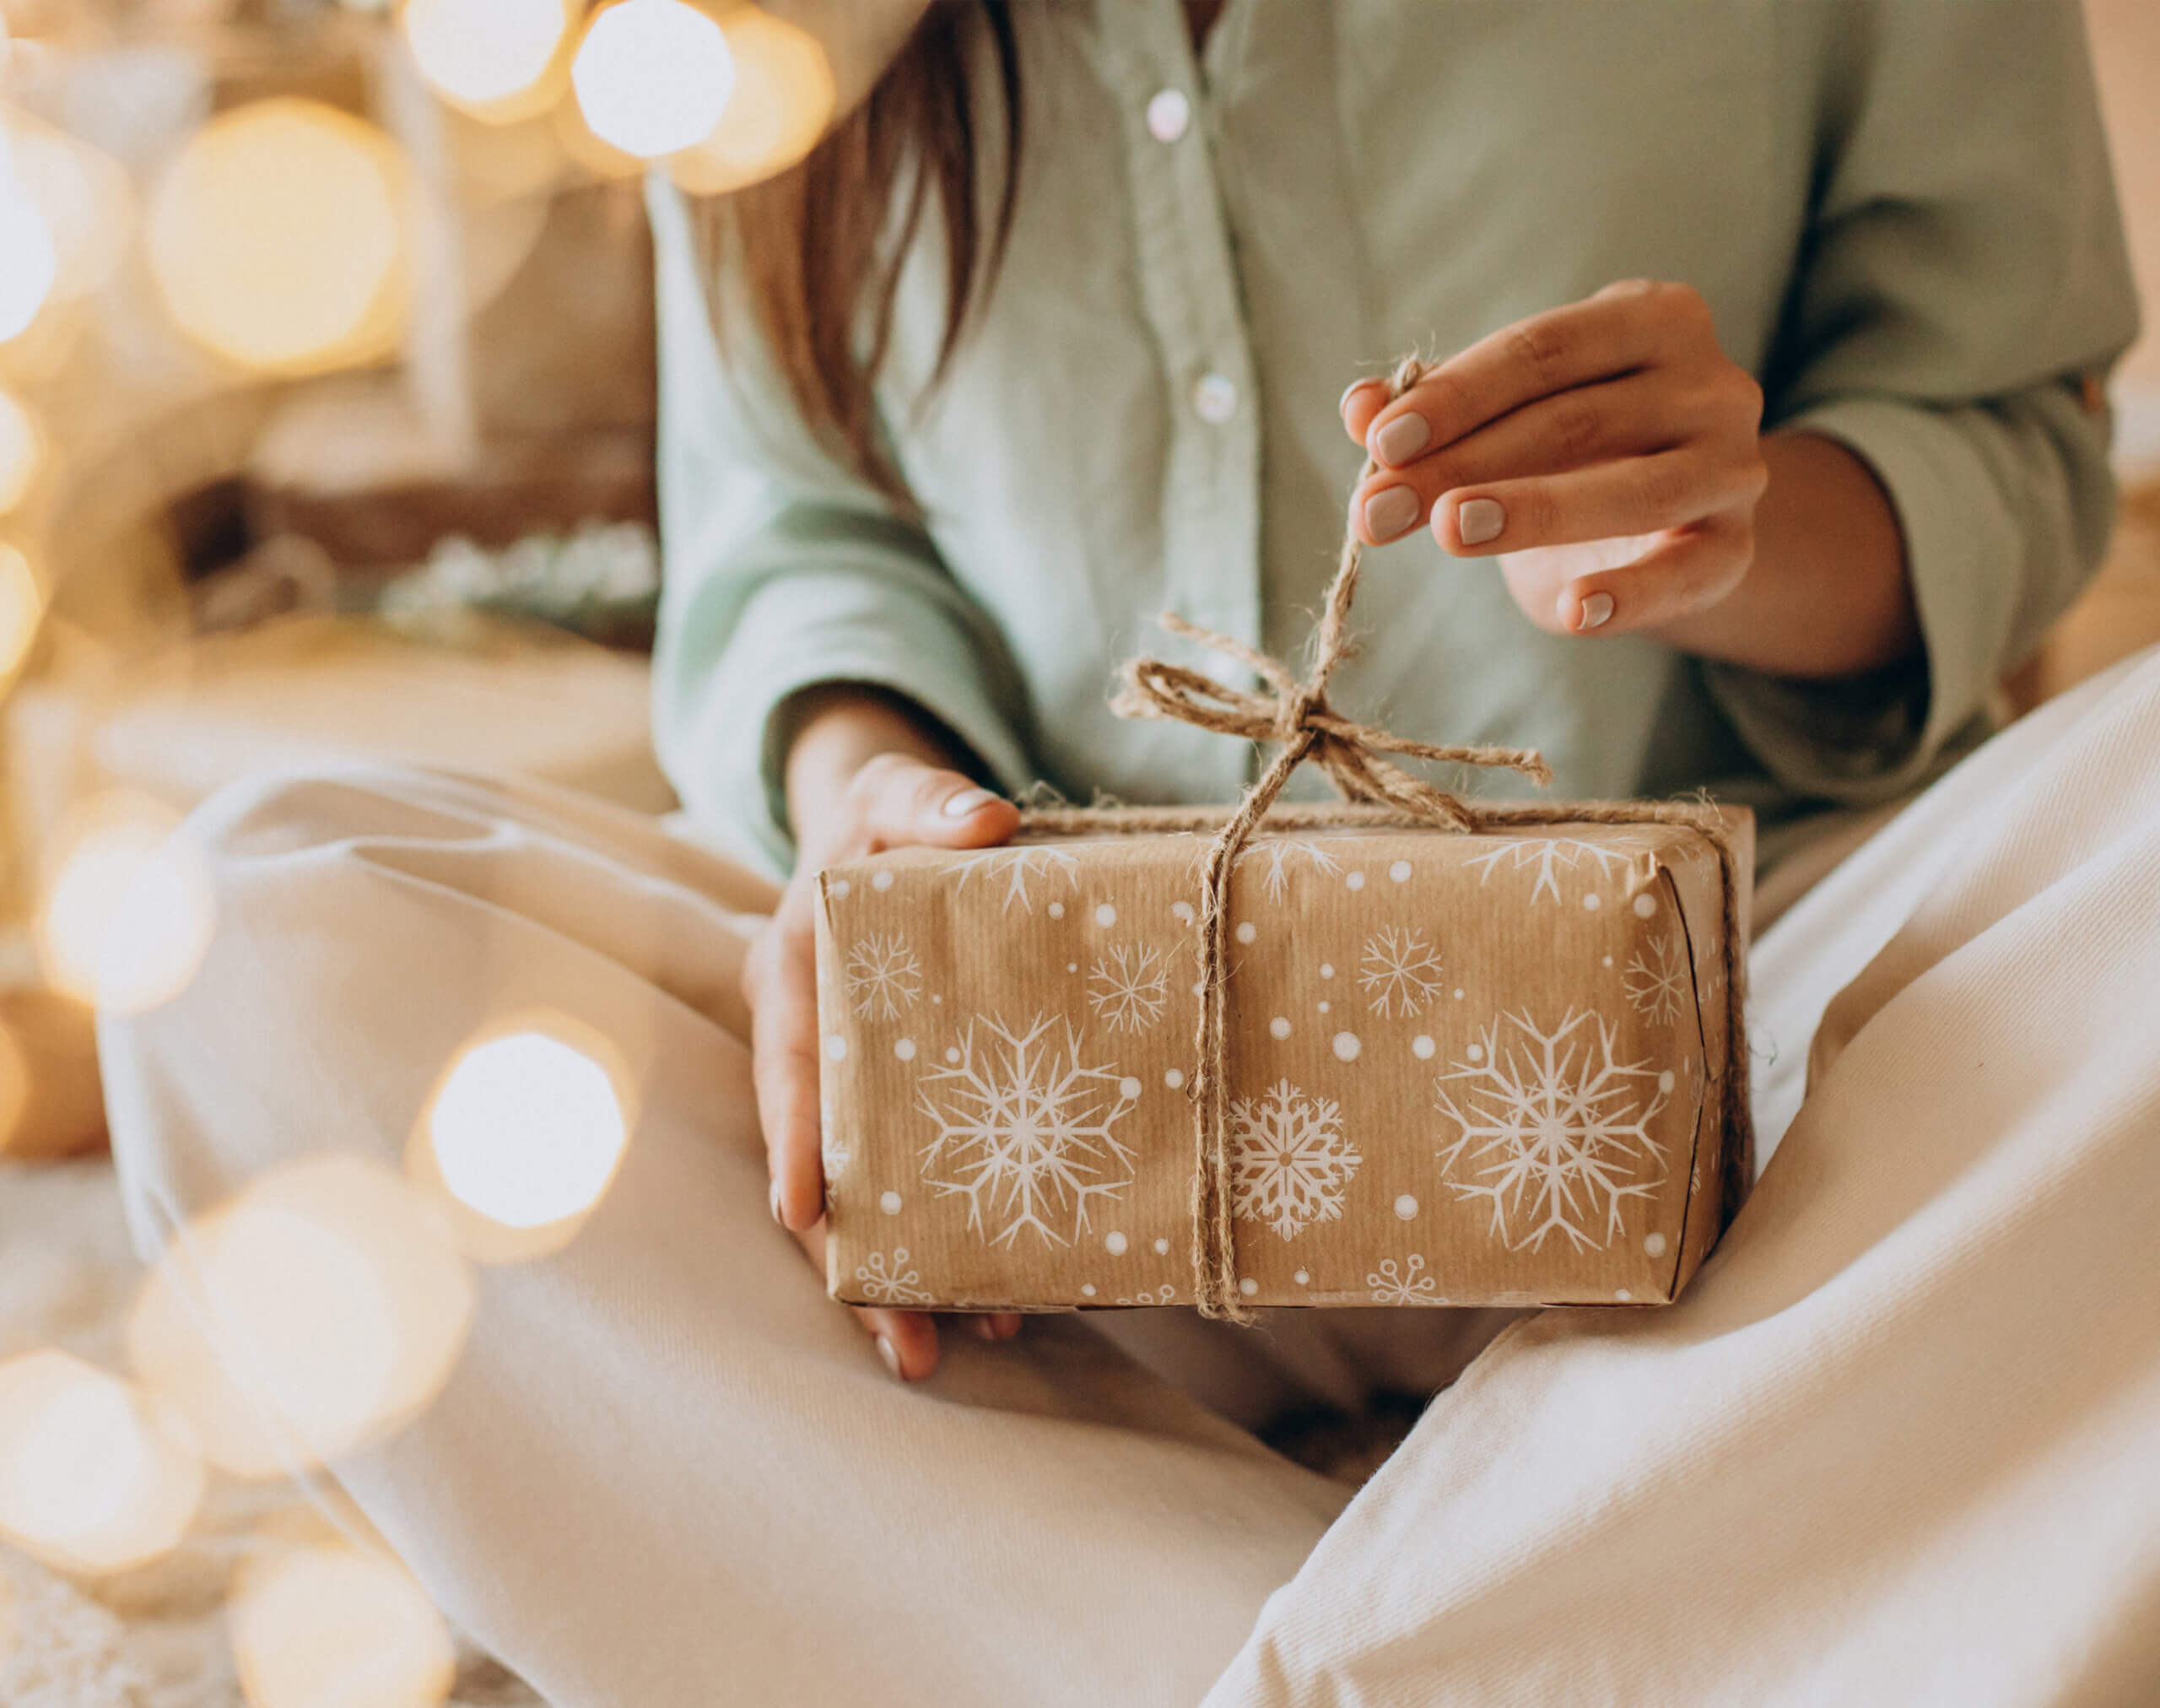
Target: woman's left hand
{"points": [[1608, 452]]}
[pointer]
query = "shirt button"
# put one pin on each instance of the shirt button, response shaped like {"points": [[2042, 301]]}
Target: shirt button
{"points": [[1215, 398], [1168, 114]]}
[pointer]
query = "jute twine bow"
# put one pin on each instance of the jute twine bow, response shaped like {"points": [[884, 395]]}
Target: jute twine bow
{"points": [[1296, 716]]}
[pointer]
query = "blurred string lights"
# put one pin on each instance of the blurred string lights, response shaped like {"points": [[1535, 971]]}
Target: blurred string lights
{"points": [[319, 1311], [326, 1306], [22, 448], [278, 238], [324, 1623]]}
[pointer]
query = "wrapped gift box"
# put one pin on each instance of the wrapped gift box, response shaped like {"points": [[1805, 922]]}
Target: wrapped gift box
{"points": [[1495, 1068]]}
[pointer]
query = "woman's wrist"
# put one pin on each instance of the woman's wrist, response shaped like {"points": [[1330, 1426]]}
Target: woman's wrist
{"points": [[1828, 592], [830, 732]]}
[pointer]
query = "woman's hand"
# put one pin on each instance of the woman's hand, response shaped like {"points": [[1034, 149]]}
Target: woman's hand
{"points": [[1608, 453], [862, 775]]}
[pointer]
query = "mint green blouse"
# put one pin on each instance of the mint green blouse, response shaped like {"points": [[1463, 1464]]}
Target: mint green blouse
{"points": [[1899, 210]]}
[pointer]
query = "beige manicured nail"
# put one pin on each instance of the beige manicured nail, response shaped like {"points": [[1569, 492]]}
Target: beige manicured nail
{"points": [[1401, 439], [887, 1351], [1390, 511], [1349, 391], [1478, 520], [983, 1329], [1598, 608], [966, 802], [772, 1197]]}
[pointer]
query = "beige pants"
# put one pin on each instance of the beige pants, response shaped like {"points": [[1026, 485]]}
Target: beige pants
{"points": [[1900, 1442]]}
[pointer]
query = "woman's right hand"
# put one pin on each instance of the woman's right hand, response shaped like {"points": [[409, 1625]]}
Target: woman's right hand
{"points": [[862, 775]]}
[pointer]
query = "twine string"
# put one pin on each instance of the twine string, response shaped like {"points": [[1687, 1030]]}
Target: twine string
{"points": [[1295, 715]]}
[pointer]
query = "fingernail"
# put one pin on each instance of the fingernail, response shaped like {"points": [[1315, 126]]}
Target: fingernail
{"points": [[966, 802], [1349, 391], [983, 1329], [887, 1351], [1401, 439], [772, 1197], [1390, 511], [1478, 520], [1597, 609]]}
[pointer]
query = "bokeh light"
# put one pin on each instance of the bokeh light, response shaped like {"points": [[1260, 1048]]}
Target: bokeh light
{"points": [[126, 915], [491, 58], [22, 605], [30, 262], [653, 75], [319, 1312], [82, 197], [782, 102], [22, 448], [14, 1087], [91, 1479], [524, 1135], [278, 238], [329, 1626]]}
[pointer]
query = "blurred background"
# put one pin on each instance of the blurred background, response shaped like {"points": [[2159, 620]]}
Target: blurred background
{"points": [[327, 394], [326, 391]]}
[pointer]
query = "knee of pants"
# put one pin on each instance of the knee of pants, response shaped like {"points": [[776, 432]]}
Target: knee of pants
{"points": [[204, 1087]]}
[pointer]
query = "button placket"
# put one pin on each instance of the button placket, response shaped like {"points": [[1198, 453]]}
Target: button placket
{"points": [[1190, 292]]}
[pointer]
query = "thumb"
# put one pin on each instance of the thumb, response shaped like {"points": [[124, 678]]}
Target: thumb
{"points": [[908, 801]]}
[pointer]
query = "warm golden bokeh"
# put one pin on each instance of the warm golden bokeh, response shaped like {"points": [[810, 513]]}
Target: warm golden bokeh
{"points": [[22, 606], [83, 198], [22, 449], [782, 102], [327, 1625], [321, 1310], [124, 918], [278, 238], [14, 1087], [653, 76], [30, 262], [524, 1135], [499, 60], [92, 1478]]}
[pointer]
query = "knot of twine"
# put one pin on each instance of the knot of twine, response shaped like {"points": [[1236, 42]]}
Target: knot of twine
{"points": [[1295, 715]]}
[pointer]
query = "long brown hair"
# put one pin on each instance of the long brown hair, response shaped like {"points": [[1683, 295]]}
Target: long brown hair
{"points": [[820, 247]]}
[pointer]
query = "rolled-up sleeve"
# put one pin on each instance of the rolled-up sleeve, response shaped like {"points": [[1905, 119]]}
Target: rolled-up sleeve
{"points": [[1962, 291], [783, 571]]}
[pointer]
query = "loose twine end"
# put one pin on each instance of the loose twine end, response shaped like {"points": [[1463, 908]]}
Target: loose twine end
{"points": [[1358, 758]]}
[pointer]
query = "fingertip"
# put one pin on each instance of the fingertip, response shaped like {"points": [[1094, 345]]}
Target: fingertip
{"points": [[1360, 401], [1586, 609], [972, 817], [913, 1337]]}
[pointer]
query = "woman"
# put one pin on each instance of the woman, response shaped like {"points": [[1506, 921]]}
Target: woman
{"points": [[1049, 336]]}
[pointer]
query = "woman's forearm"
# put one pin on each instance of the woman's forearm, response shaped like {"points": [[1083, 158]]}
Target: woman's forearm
{"points": [[1828, 592]]}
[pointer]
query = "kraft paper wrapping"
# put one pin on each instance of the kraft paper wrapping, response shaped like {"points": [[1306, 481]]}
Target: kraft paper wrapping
{"points": [[1482, 1069]]}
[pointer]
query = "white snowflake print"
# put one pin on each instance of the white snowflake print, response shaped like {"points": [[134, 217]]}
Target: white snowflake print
{"points": [[889, 1281], [1128, 986], [1549, 855], [1026, 1130], [1657, 985], [1289, 1161], [1400, 972], [1151, 1295], [1553, 1134], [883, 977], [1279, 852], [1021, 867], [1404, 1283]]}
